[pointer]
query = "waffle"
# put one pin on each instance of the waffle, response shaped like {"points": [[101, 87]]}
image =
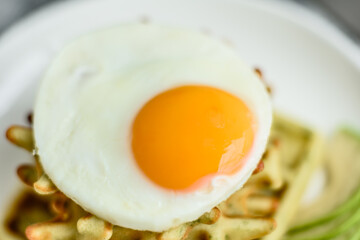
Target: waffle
{"points": [[261, 209]]}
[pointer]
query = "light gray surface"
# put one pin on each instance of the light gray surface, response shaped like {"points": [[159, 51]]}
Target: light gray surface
{"points": [[12, 10], [9, 11], [344, 13], [347, 11]]}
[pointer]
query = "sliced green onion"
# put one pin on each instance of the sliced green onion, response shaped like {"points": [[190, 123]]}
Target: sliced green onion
{"points": [[339, 230], [345, 207]]}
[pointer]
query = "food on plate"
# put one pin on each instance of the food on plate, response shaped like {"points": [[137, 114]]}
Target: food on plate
{"points": [[152, 132], [264, 204]]}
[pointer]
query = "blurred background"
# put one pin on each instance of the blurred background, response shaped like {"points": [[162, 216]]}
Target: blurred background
{"points": [[343, 13]]}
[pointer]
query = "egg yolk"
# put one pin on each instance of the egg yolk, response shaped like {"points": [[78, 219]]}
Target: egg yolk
{"points": [[190, 133]]}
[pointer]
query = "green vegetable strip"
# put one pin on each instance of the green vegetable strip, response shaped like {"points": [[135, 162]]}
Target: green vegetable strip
{"points": [[355, 134], [342, 228], [356, 235], [345, 207]]}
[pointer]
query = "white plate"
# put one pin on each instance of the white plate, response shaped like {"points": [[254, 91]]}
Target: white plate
{"points": [[313, 68]]}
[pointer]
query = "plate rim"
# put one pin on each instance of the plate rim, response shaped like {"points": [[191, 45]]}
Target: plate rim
{"points": [[300, 15], [293, 12]]}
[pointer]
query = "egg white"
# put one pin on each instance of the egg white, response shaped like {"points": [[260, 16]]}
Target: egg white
{"points": [[90, 96]]}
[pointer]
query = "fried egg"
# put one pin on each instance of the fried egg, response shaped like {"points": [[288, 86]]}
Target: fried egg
{"points": [[149, 127]]}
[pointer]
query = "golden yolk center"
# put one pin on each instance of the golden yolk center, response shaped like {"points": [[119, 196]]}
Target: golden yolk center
{"points": [[186, 134]]}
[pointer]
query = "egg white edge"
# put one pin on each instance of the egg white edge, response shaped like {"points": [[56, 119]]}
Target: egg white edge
{"points": [[247, 170]]}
